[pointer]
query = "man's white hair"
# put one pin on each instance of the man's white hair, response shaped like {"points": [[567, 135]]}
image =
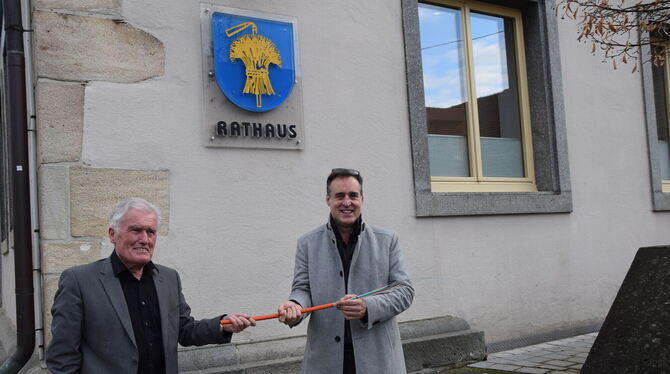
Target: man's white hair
{"points": [[123, 206]]}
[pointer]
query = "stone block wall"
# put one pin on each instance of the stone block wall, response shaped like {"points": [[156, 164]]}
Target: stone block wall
{"points": [[83, 48], [75, 42]]}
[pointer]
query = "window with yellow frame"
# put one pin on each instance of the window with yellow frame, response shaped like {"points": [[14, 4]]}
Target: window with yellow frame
{"points": [[476, 97], [661, 83]]}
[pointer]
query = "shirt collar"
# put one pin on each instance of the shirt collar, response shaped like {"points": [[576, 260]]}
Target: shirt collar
{"points": [[118, 267], [358, 226]]}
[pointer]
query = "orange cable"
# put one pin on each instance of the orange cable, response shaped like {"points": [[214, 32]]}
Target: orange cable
{"points": [[276, 315]]}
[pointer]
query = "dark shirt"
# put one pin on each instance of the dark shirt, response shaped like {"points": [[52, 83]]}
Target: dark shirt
{"points": [[346, 251], [346, 255], [144, 311]]}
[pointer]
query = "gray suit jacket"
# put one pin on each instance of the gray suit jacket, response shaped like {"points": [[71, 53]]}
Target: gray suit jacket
{"points": [[318, 279], [91, 327]]}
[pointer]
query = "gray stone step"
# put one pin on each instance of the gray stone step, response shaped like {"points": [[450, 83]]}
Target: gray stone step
{"points": [[428, 344], [7, 336]]}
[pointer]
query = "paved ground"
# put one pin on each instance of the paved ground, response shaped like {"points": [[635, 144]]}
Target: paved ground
{"points": [[556, 357]]}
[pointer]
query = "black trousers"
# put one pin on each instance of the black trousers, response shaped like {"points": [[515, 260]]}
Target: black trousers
{"points": [[349, 366]]}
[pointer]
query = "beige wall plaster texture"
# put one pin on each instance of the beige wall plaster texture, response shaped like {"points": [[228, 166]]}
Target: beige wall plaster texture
{"points": [[94, 192], [108, 7], [60, 120], [50, 285], [58, 256], [72, 47], [54, 202]]}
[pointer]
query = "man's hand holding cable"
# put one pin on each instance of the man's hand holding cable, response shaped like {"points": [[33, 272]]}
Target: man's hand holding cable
{"points": [[352, 309], [238, 322], [289, 313]]}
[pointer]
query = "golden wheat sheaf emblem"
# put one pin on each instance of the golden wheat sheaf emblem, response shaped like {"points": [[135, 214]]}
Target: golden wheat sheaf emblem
{"points": [[257, 52]]}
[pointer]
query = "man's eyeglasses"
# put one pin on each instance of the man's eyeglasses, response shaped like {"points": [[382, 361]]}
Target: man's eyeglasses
{"points": [[341, 171]]}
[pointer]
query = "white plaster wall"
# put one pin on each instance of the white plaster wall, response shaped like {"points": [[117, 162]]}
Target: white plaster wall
{"points": [[236, 214]]}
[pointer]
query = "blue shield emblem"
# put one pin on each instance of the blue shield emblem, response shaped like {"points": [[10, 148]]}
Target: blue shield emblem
{"points": [[254, 61]]}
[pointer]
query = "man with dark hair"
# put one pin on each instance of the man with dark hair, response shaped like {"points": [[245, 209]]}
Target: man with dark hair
{"points": [[125, 314], [348, 257]]}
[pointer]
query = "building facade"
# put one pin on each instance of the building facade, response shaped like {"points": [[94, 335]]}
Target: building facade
{"points": [[521, 174]]}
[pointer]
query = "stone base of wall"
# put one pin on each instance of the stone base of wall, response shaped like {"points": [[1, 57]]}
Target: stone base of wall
{"points": [[7, 335], [430, 343], [8, 347]]}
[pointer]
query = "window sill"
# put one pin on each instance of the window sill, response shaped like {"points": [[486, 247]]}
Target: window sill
{"points": [[435, 204], [456, 186]]}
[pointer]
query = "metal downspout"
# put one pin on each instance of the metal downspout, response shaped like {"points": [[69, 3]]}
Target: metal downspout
{"points": [[34, 193], [18, 123]]}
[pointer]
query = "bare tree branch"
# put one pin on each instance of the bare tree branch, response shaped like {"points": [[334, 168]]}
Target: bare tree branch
{"points": [[618, 28]]}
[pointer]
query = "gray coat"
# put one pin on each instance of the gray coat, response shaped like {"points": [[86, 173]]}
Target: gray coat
{"points": [[318, 279], [92, 331]]}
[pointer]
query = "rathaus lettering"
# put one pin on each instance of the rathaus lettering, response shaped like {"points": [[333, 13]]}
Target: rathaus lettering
{"points": [[255, 130]]}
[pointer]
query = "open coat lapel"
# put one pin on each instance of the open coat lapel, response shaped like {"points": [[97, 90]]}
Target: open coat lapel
{"points": [[357, 250], [163, 293], [112, 287]]}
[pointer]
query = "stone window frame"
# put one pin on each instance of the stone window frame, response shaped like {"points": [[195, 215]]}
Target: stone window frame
{"points": [[550, 153], [660, 199], [477, 179]]}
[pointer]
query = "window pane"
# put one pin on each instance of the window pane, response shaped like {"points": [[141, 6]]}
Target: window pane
{"points": [[445, 90], [497, 95], [661, 108]]}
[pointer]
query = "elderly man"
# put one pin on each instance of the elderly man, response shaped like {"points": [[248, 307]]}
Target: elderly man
{"points": [[125, 314], [348, 257]]}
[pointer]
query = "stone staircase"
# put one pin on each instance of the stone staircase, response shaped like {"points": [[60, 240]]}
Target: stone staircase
{"points": [[429, 344]]}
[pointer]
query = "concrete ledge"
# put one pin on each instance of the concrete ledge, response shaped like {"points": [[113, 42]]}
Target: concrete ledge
{"points": [[290, 365], [8, 346], [431, 326], [266, 356], [585, 327], [428, 343], [7, 335], [444, 350]]}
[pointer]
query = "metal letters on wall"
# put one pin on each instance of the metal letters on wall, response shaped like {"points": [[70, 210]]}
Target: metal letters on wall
{"points": [[251, 79]]}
